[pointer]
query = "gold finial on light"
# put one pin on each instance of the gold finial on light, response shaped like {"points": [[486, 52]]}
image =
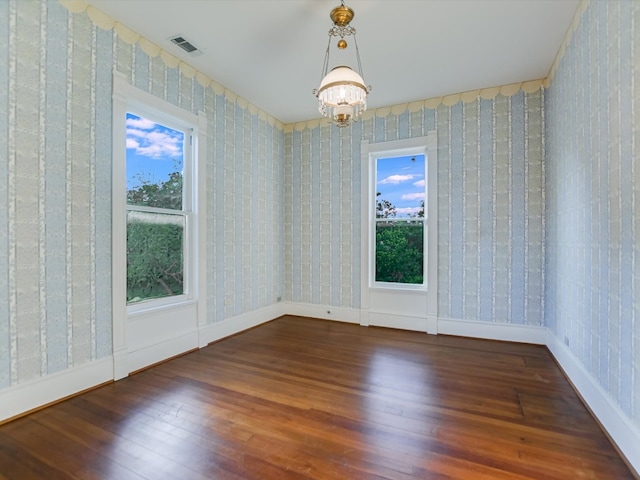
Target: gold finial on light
{"points": [[342, 44], [342, 15]]}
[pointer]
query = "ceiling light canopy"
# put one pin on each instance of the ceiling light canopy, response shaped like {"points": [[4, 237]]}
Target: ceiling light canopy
{"points": [[342, 94]]}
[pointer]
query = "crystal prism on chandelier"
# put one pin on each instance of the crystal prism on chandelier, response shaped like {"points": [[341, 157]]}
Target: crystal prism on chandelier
{"points": [[342, 94]]}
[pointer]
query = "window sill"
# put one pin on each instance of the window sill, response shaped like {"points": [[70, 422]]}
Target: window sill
{"points": [[144, 308], [404, 288]]}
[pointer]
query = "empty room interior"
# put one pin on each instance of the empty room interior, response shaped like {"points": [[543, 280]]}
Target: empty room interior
{"points": [[223, 257]]}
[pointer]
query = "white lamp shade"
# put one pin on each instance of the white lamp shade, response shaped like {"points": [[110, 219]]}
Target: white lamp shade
{"points": [[342, 95], [342, 86]]}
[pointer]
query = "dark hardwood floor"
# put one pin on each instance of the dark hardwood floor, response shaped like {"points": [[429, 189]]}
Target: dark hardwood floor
{"points": [[298, 398]]}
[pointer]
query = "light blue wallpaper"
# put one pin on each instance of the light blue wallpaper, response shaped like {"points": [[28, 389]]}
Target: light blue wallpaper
{"points": [[5, 332], [593, 199], [52, 195], [55, 188], [490, 201], [55, 291]]}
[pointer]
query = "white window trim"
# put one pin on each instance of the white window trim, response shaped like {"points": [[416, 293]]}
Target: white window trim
{"points": [[426, 146], [125, 98]]}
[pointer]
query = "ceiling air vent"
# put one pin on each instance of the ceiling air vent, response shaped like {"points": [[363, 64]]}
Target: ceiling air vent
{"points": [[184, 44]]}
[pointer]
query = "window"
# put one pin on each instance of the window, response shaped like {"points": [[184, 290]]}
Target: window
{"points": [[158, 228], [159, 207], [399, 219], [400, 233]]}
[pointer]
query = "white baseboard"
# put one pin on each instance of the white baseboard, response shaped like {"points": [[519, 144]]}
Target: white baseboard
{"points": [[402, 322], [618, 425], [37, 393], [120, 364], [432, 324], [230, 326], [325, 312], [509, 332]]}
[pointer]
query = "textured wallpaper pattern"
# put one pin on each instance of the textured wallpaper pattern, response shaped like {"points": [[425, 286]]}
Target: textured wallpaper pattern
{"points": [[490, 202], [593, 199], [55, 188], [55, 152]]}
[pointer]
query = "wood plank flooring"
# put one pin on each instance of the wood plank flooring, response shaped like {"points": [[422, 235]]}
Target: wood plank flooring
{"points": [[298, 398]]}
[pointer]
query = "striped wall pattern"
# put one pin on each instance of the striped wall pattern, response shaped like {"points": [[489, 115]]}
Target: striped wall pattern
{"points": [[55, 188], [245, 213], [490, 201], [593, 199], [322, 217], [55, 191]]}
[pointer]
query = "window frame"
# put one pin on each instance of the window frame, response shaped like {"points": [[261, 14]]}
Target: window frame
{"points": [[129, 99], [188, 129], [370, 152], [373, 283]]}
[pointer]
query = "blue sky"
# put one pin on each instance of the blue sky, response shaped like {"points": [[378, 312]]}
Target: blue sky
{"points": [[153, 151], [401, 181]]}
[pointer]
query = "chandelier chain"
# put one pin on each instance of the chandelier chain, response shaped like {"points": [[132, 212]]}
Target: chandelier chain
{"points": [[325, 66], [359, 62]]}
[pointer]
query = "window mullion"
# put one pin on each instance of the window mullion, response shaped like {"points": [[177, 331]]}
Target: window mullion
{"points": [[168, 211]]}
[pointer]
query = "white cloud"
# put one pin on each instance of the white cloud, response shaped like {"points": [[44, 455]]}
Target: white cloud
{"points": [[413, 196], [419, 183], [395, 179], [140, 123], [135, 132], [148, 140]]}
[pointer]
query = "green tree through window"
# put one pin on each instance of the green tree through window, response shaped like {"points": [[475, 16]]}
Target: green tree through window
{"points": [[155, 260]]}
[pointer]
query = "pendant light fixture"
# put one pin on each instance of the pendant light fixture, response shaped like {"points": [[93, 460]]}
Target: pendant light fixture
{"points": [[342, 94]]}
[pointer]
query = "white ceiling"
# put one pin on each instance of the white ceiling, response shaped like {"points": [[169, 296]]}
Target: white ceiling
{"points": [[270, 52]]}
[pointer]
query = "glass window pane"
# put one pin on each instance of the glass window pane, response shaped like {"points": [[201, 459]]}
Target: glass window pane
{"points": [[155, 255], [400, 252], [400, 187], [400, 195], [155, 162]]}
